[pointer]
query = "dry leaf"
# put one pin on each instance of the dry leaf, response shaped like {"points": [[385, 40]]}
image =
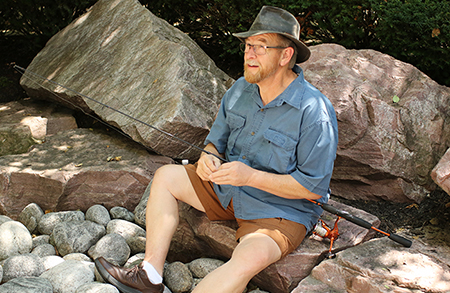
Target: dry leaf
{"points": [[414, 205], [434, 221], [118, 158]]}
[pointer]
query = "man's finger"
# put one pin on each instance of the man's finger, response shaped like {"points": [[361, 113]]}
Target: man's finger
{"points": [[213, 164]]}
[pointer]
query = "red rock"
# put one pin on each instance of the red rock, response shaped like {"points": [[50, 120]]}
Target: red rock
{"points": [[386, 149], [441, 172], [71, 171]]}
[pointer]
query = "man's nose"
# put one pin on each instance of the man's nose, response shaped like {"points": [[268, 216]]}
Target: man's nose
{"points": [[251, 54]]}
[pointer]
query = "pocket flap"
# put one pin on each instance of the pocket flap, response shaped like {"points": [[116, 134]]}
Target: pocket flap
{"points": [[235, 121], [279, 139]]}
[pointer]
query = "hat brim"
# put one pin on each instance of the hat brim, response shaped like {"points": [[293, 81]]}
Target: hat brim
{"points": [[303, 53]]}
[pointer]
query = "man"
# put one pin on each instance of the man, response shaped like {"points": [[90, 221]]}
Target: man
{"points": [[278, 135]]}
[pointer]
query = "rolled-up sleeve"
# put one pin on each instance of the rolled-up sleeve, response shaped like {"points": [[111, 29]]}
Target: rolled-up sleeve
{"points": [[316, 152]]}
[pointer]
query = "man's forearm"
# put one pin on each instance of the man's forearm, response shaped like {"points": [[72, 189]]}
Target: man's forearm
{"points": [[281, 185], [239, 174]]}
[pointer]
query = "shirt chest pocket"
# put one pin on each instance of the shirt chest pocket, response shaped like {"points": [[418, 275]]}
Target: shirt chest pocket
{"points": [[279, 151], [236, 124]]}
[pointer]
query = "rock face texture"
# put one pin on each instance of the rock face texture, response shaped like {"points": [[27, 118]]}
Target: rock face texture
{"points": [[380, 266], [441, 172], [394, 122], [120, 54], [25, 123], [74, 170]]}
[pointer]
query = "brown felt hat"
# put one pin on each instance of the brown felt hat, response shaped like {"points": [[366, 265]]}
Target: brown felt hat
{"points": [[276, 20]]}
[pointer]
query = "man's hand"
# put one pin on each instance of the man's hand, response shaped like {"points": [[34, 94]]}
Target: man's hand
{"points": [[210, 168], [206, 165], [234, 173], [239, 174]]}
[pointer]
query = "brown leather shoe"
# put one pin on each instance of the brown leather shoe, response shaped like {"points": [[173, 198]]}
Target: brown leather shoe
{"points": [[132, 280]]}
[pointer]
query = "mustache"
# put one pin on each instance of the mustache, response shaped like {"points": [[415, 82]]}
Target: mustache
{"points": [[251, 63]]}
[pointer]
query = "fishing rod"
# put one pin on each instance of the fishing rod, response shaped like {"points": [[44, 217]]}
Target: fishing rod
{"points": [[321, 229], [24, 72]]}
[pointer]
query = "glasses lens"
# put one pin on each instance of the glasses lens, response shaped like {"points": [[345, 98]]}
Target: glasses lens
{"points": [[260, 50], [244, 47], [257, 49]]}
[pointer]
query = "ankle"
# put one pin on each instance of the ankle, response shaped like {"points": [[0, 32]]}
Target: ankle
{"points": [[152, 273]]}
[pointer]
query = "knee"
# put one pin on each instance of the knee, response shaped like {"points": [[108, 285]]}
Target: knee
{"points": [[251, 264], [172, 178], [255, 252], [166, 174]]}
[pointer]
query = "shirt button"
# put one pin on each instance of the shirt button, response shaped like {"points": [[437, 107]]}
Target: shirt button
{"points": [[262, 110], [244, 157], [253, 133]]}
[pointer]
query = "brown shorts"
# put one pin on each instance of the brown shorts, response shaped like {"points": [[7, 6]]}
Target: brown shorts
{"points": [[287, 234]]}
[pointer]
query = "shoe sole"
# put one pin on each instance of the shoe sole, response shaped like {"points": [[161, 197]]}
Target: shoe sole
{"points": [[107, 277]]}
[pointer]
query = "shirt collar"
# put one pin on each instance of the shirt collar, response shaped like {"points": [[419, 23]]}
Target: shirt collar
{"points": [[292, 95]]}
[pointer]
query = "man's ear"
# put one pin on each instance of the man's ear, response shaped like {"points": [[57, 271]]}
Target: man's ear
{"points": [[286, 56]]}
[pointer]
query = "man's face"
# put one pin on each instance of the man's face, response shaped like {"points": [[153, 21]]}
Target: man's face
{"points": [[259, 67]]}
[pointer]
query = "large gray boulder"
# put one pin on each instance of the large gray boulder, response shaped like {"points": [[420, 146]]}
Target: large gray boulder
{"points": [[69, 275], [113, 248], [122, 55], [24, 265], [98, 214], [30, 216], [49, 221], [133, 234], [15, 239], [387, 148], [76, 236], [27, 285], [178, 277]]}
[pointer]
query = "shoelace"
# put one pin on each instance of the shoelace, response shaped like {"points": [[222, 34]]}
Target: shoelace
{"points": [[133, 273]]}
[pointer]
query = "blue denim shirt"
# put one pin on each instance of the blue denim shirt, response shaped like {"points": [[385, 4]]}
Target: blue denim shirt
{"points": [[294, 134]]}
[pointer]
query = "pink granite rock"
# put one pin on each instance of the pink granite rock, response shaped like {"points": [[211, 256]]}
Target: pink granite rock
{"points": [[387, 148], [441, 172]]}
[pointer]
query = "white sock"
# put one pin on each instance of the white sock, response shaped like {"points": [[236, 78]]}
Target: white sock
{"points": [[152, 274]]}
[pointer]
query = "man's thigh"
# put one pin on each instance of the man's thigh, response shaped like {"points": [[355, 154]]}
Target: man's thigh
{"points": [[207, 196], [287, 234], [174, 178]]}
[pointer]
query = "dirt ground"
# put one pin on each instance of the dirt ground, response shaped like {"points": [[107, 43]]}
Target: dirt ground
{"points": [[428, 220]]}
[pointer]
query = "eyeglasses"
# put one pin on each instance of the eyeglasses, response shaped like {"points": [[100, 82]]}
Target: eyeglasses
{"points": [[257, 49]]}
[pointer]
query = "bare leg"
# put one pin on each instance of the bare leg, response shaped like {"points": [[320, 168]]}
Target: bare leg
{"points": [[254, 252], [170, 184]]}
